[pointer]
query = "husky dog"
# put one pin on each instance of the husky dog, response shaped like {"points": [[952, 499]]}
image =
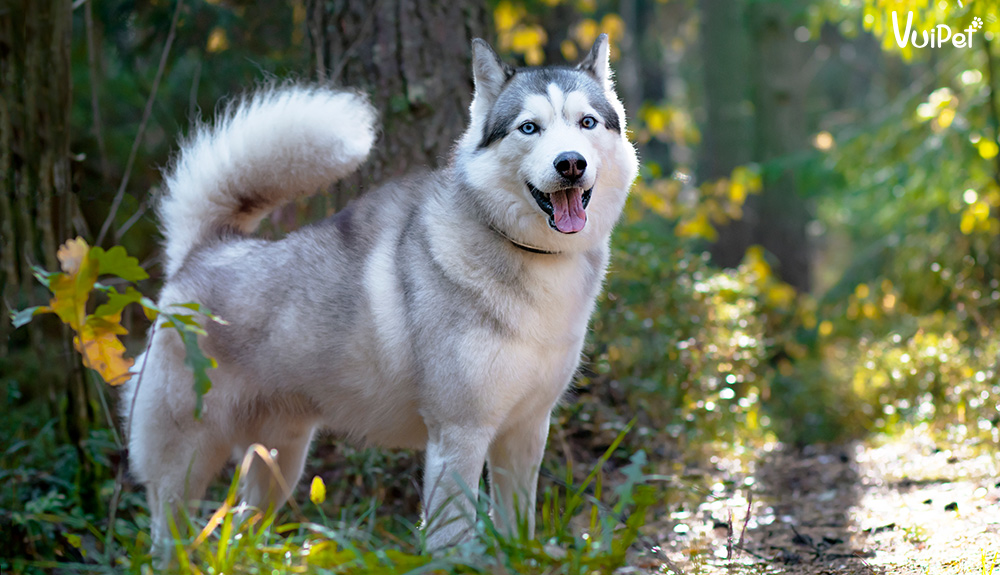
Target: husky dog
{"points": [[446, 312]]}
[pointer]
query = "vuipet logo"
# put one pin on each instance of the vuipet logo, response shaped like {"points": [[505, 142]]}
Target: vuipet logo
{"points": [[937, 37]]}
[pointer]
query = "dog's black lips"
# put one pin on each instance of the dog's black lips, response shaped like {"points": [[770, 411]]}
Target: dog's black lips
{"points": [[545, 203], [542, 199]]}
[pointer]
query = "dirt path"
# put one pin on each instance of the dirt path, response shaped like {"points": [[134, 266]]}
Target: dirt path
{"points": [[910, 505]]}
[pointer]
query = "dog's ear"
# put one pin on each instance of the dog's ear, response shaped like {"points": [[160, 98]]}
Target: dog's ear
{"points": [[596, 62], [488, 70]]}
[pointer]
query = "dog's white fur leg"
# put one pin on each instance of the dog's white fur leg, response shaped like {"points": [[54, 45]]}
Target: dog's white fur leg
{"points": [[515, 457], [288, 441], [173, 455], [454, 464], [178, 463], [179, 485]]}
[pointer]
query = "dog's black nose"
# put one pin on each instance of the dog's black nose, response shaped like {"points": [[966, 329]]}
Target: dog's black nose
{"points": [[570, 165]]}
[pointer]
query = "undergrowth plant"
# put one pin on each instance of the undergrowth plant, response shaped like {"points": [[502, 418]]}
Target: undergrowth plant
{"points": [[578, 532], [988, 564], [97, 332]]}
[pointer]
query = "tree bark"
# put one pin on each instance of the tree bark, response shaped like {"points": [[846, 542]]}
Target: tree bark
{"points": [[780, 87], [34, 140], [755, 89], [37, 201], [413, 59], [729, 135]]}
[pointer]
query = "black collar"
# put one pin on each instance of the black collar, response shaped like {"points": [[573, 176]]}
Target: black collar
{"points": [[527, 248]]}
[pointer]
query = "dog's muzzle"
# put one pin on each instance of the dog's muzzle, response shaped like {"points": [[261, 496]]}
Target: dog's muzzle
{"points": [[566, 208]]}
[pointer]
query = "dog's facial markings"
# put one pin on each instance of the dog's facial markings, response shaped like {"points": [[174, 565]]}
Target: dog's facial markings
{"points": [[555, 131], [521, 84]]}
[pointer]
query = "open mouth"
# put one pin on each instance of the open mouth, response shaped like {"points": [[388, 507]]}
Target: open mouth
{"points": [[566, 208]]}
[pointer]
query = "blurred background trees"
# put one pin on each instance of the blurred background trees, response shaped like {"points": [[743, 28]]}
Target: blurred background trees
{"points": [[810, 253], [412, 58]]}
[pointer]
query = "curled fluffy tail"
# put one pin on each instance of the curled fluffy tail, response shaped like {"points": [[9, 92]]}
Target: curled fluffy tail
{"points": [[268, 148]]}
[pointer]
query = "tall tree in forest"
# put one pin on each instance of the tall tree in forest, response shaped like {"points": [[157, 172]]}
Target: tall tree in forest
{"points": [[37, 203], [413, 59], [780, 86], [755, 91], [728, 136], [36, 198]]}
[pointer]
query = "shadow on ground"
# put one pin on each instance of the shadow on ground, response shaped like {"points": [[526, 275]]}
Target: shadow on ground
{"points": [[787, 510], [804, 518]]}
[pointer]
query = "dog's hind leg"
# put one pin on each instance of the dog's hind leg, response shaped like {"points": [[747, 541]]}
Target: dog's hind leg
{"points": [[286, 439], [515, 457], [177, 464], [173, 454]]}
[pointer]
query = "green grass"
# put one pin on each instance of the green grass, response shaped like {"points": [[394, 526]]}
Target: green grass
{"points": [[989, 564], [583, 528], [578, 534]]}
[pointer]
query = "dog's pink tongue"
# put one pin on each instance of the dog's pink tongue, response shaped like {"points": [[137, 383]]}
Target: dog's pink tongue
{"points": [[568, 212]]}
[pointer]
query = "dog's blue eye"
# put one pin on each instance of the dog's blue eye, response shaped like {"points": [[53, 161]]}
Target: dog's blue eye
{"points": [[528, 128], [588, 122]]}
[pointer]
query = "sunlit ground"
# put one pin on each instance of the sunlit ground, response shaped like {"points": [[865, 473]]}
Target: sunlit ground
{"points": [[919, 502]]}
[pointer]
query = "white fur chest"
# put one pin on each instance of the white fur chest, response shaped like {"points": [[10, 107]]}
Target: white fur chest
{"points": [[541, 304], [559, 301], [537, 361]]}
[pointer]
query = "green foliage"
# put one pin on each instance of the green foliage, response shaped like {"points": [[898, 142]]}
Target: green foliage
{"points": [[900, 330], [97, 332], [909, 322], [235, 539], [229, 543], [41, 516], [189, 329], [695, 348]]}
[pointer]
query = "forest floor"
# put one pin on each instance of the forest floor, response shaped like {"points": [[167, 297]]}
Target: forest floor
{"points": [[913, 504]]}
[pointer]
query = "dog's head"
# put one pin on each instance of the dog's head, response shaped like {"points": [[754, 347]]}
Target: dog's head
{"points": [[546, 152]]}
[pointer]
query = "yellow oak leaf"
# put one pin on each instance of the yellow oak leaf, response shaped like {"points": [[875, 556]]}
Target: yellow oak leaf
{"points": [[756, 262], [697, 227], [71, 255], [98, 343], [71, 289], [781, 295], [988, 149]]}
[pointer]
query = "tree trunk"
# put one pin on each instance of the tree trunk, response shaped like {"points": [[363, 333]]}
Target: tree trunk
{"points": [[413, 59], [782, 213], [755, 92], [34, 142], [728, 138], [37, 201]]}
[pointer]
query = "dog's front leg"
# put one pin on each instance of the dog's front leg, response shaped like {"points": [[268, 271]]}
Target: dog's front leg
{"points": [[455, 457], [514, 459]]}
